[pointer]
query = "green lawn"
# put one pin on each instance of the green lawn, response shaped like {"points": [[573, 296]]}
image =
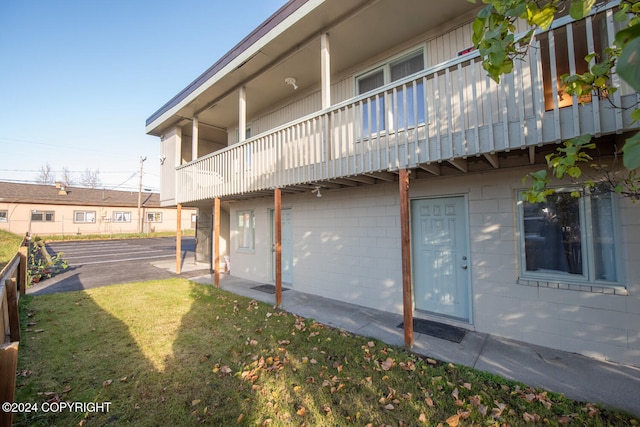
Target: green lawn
{"points": [[9, 245], [174, 352]]}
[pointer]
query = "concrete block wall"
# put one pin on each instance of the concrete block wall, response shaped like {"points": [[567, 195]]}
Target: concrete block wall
{"points": [[347, 247]]}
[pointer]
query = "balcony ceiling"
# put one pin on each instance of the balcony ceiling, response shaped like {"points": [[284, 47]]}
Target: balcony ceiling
{"points": [[358, 30]]}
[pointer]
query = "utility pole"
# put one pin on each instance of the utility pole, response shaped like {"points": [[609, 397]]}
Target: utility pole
{"points": [[142, 159]]}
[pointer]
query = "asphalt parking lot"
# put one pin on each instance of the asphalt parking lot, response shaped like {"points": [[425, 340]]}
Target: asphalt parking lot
{"points": [[98, 263]]}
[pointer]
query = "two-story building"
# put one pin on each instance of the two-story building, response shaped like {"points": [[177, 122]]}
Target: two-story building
{"points": [[358, 151]]}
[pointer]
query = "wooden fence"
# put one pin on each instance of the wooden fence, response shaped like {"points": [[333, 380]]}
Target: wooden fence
{"points": [[13, 278]]}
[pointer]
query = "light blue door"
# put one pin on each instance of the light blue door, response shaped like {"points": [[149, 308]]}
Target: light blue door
{"points": [[440, 252], [286, 245]]}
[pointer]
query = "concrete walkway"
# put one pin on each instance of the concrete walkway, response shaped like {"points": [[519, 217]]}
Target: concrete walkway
{"points": [[577, 377]]}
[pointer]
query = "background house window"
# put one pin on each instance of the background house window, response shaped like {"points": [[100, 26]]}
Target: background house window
{"points": [[154, 216], [84, 216], [569, 238], [246, 229], [123, 216], [42, 216], [3, 216]]}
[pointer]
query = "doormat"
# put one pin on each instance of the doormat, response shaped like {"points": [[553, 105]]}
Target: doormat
{"points": [[438, 330], [268, 289]]}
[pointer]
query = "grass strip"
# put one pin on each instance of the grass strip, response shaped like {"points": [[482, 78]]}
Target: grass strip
{"points": [[174, 352]]}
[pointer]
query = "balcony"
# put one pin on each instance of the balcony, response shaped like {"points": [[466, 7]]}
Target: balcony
{"points": [[447, 113]]}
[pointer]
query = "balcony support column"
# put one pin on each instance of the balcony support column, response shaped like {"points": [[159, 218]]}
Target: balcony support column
{"points": [[325, 70], [216, 241], [178, 238], [242, 114], [277, 219], [405, 235], [194, 139]]}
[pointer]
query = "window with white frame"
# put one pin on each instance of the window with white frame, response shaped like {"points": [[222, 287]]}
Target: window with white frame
{"points": [[374, 115], [84, 216], [246, 230], [4, 216], [569, 239], [154, 216], [121, 216], [42, 216], [247, 148]]}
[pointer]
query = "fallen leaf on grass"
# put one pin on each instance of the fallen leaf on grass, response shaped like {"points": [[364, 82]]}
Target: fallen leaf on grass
{"points": [[564, 420], [453, 420], [389, 407], [240, 418], [195, 402], [107, 383], [302, 411], [387, 364], [531, 418]]}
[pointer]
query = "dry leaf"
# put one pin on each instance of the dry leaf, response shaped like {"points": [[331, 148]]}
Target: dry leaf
{"points": [[429, 402], [453, 420], [302, 411], [389, 407], [564, 420], [431, 361], [387, 364], [422, 418], [107, 383], [195, 402], [455, 393], [475, 400], [531, 418]]}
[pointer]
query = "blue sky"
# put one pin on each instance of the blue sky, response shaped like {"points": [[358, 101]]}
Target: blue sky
{"points": [[78, 78]]}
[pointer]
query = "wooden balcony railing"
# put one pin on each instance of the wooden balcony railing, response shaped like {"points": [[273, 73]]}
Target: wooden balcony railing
{"points": [[447, 112]]}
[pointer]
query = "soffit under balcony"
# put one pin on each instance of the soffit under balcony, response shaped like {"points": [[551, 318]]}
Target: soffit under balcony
{"points": [[358, 31]]}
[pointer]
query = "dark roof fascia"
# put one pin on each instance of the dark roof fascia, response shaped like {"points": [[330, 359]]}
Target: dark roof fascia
{"points": [[280, 15]]}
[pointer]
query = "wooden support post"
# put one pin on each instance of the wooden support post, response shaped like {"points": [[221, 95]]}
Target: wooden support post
{"points": [[277, 218], [12, 306], [216, 241], [8, 366], [405, 233], [179, 239], [22, 269]]}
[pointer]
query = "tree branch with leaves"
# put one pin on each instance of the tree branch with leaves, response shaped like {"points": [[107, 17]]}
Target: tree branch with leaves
{"points": [[495, 38]]}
